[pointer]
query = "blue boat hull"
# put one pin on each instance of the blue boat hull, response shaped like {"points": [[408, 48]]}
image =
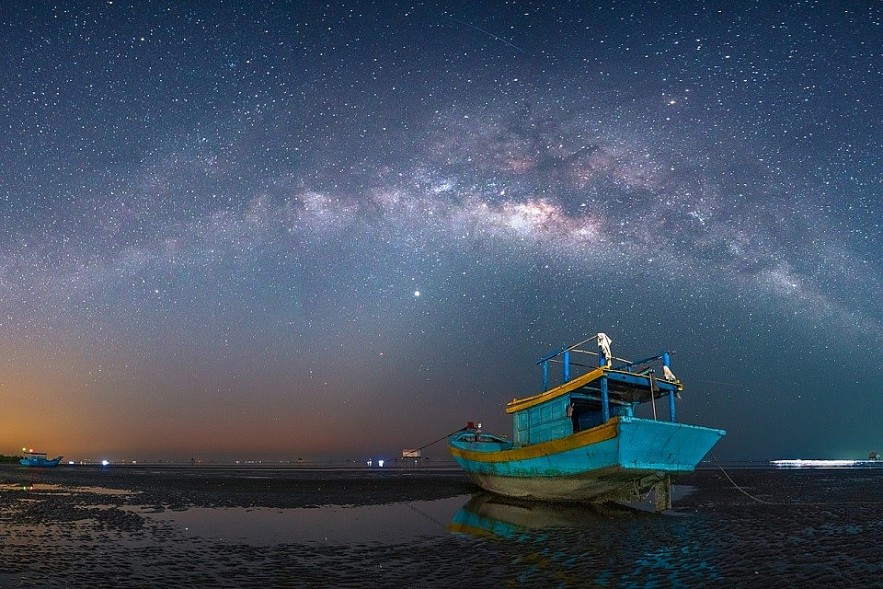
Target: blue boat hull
{"points": [[614, 461], [40, 462]]}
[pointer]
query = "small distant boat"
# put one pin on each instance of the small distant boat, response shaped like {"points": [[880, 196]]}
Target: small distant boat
{"points": [[582, 442], [39, 459]]}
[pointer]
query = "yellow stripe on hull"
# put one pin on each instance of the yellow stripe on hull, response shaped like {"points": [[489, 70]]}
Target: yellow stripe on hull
{"points": [[577, 440]]}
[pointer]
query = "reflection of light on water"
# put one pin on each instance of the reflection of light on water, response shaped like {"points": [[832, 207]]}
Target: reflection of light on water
{"points": [[56, 489], [391, 523], [811, 463]]}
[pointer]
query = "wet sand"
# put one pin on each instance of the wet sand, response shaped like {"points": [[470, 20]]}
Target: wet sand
{"points": [[85, 526]]}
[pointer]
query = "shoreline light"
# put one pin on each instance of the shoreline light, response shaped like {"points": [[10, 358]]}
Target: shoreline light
{"points": [[816, 463]]}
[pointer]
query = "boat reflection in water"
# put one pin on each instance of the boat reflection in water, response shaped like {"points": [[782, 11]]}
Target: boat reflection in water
{"points": [[495, 516], [576, 545]]}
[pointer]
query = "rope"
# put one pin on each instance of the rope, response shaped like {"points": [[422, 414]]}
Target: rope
{"points": [[729, 478], [443, 526], [444, 437], [788, 503], [653, 394], [588, 339]]}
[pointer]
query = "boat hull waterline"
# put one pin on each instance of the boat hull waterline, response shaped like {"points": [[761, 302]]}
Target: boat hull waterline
{"points": [[627, 454]]}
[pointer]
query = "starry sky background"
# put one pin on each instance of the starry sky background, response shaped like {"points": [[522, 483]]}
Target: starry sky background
{"points": [[296, 229]]}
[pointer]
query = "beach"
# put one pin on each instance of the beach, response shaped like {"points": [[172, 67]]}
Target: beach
{"points": [[269, 526]]}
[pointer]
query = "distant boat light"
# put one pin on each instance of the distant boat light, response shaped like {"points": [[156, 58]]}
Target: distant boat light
{"points": [[104, 463], [380, 463]]}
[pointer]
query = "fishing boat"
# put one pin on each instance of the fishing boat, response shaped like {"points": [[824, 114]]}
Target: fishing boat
{"points": [[39, 459], [591, 438]]}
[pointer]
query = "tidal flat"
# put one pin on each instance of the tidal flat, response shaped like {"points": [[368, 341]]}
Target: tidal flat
{"points": [[226, 526]]}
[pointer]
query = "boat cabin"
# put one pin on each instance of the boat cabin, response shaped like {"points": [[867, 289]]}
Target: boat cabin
{"points": [[611, 387]]}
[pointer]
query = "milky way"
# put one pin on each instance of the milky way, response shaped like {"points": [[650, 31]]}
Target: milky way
{"points": [[251, 231]]}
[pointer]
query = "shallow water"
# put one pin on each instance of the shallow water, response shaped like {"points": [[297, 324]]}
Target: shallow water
{"points": [[780, 529], [55, 489], [393, 523]]}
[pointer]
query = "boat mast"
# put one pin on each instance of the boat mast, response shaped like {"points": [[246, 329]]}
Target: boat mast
{"points": [[603, 360]]}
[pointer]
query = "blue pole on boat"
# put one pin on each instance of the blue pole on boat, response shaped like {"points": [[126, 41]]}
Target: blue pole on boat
{"points": [[545, 375], [605, 401], [566, 365], [666, 361]]}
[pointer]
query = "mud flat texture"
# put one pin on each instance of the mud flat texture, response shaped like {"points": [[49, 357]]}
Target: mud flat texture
{"points": [[85, 526]]}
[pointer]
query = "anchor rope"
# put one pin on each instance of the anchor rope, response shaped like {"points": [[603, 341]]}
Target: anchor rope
{"points": [[444, 437], [729, 478]]}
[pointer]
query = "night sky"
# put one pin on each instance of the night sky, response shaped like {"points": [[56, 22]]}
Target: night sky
{"points": [[271, 230]]}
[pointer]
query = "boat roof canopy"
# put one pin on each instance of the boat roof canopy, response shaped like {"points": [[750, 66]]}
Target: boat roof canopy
{"points": [[627, 382], [623, 387]]}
